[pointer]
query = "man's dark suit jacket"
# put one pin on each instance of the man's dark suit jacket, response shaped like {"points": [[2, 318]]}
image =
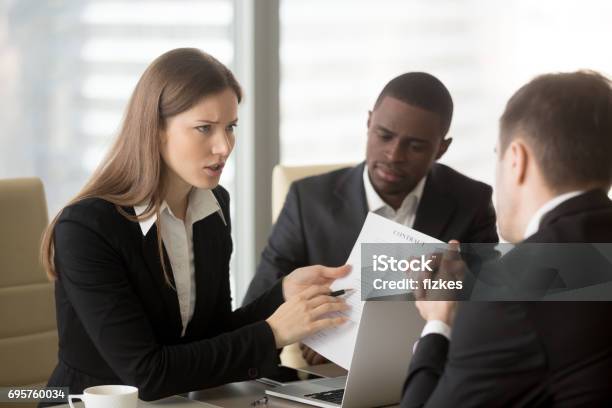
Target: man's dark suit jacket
{"points": [[323, 215], [119, 322], [525, 354]]}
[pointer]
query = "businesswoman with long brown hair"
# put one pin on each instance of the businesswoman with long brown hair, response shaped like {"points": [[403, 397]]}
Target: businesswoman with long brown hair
{"points": [[141, 255]]}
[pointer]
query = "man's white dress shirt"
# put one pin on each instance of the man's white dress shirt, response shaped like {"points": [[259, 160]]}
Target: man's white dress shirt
{"points": [[404, 215]]}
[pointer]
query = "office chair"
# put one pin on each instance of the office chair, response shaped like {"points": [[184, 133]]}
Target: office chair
{"points": [[28, 331], [282, 177]]}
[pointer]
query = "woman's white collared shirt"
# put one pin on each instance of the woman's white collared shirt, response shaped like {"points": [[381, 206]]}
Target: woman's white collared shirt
{"points": [[177, 236]]}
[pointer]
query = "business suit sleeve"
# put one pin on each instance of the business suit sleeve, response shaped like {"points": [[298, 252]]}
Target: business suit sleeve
{"points": [[494, 348], [483, 228], [286, 249], [260, 308], [94, 277], [426, 368]]}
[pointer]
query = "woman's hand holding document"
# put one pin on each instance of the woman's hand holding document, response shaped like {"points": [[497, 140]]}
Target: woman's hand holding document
{"points": [[337, 344], [304, 278]]}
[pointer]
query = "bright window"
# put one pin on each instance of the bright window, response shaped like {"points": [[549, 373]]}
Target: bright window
{"points": [[337, 55], [68, 68]]}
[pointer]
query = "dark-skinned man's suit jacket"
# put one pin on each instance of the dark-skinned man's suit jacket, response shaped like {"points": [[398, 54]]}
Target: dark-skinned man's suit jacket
{"points": [[323, 215], [525, 354]]}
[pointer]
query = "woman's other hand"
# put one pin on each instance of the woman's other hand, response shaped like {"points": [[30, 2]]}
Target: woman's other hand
{"points": [[311, 356], [305, 314]]}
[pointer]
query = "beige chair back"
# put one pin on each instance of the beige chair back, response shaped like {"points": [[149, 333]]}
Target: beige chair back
{"points": [[28, 333], [282, 177]]}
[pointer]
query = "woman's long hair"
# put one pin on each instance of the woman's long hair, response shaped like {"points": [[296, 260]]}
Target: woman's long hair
{"points": [[132, 172]]}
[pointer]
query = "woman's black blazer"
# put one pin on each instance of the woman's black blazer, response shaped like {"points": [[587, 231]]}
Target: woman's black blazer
{"points": [[119, 322]]}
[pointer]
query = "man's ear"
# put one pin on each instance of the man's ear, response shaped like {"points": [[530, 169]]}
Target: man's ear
{"points": [[369, 118], [519, 159], [443, 147]]}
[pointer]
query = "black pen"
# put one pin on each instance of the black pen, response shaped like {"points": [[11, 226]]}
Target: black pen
{"points": [[340, 292]]}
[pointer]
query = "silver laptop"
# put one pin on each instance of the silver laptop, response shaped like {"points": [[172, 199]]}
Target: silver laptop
{"points": [[387, 332]]}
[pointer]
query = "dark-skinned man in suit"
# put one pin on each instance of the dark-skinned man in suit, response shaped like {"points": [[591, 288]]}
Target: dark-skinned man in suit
{"points": [[400, 180]]}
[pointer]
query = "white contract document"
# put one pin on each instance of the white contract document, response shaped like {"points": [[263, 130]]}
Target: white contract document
{"points": [[337, 344]]}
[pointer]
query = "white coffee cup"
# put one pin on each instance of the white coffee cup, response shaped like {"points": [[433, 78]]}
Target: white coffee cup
{"points": [[108, 396]]}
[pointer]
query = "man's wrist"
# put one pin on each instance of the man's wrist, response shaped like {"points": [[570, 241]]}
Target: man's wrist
{"points": [[433, 327], [436, 327]]}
